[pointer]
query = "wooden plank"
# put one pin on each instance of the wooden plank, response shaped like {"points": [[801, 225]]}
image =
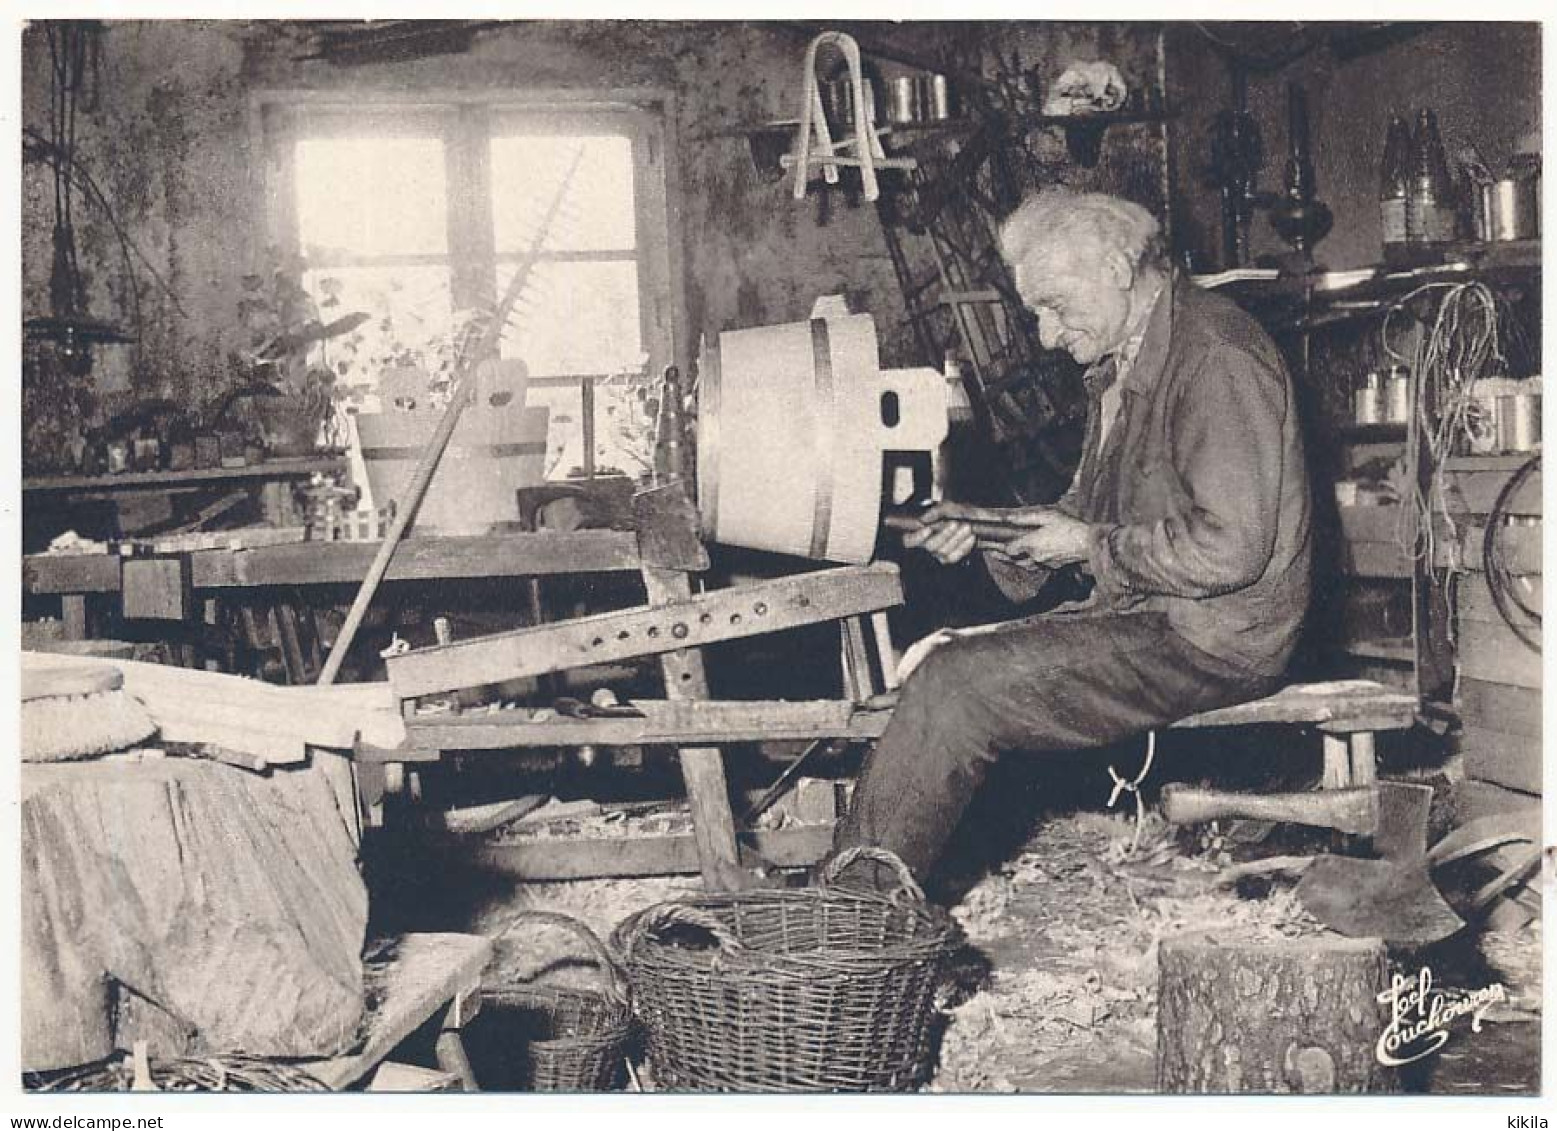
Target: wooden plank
{"points": [[346, 563], [73, 616], [292, 468], [564, 859], [1492, 652], [392, 1076], [1461, 549], [1334, 704], [665, 723], [198, 706], [70, 573], [156, 589], [1514, 710], [421, 559], [1375, 559], [655, 629], [426, 972], [1474, 600], [1494, 755], [702, 767], [1474, 492]]}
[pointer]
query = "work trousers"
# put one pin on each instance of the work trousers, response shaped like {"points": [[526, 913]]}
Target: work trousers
{"points": [[1052, 683]]}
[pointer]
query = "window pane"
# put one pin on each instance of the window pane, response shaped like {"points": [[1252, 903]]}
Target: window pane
{"points": [[372, 196], [410, 308], [597, 214], [575, 318]]}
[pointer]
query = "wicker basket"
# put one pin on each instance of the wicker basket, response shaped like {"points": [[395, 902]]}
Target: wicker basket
{"points": [[817, 990], [229, 1073], [559, 1038]]}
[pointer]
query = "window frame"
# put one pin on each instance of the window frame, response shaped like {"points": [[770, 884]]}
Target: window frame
{"points": [[468, 117]]}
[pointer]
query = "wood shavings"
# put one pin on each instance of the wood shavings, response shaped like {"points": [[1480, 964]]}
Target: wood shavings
{"points": [[1071, 927]]}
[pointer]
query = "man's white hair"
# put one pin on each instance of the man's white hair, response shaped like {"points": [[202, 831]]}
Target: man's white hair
{"points": [[1053, 217]]}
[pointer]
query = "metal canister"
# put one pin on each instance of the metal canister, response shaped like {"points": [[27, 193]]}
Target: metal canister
{"points": [[1368, 401], [935, 98], [1509, 209], [1519, 422], [903, 100], [1397, 395]]}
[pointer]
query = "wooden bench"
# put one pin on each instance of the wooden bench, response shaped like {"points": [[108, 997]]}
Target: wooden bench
{"points": [[1347, 713]]}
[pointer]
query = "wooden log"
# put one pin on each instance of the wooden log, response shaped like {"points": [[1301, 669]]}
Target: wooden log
{"points": [[1293, 1017]]}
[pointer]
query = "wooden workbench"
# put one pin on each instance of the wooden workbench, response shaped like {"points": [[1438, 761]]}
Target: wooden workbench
{"points": [[76, 577]]}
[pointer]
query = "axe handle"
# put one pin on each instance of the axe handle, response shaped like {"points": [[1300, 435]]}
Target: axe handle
{"points": [[1349, 810]]}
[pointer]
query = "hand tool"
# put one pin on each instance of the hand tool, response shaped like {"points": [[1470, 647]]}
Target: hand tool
{"points": [[572, 708], [1392, 897], [1396, 900]]}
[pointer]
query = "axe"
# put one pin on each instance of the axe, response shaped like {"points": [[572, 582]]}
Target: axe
{"points": [[1393, 897]]}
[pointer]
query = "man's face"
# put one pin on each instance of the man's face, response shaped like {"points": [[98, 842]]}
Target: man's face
{"points": [[1081, 295]]}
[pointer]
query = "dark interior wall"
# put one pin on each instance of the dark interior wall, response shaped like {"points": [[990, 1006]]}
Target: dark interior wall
{"points": [[1482, 79], [170, 141]]}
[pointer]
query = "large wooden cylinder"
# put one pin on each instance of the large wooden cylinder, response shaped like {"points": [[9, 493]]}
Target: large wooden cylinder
{"points": [[1293, 1017], [792, 424]]}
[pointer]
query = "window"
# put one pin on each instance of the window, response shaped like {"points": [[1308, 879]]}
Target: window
{"points": [[418, 213]]}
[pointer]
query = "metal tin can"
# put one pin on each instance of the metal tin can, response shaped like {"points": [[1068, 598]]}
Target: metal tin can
{"points": [[903, 100], [1519, 422], [1368, 401], [1397, 395], [936, 98]]}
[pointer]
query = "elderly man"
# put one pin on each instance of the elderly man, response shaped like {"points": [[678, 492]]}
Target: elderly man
{"points": [[1190, 511]]}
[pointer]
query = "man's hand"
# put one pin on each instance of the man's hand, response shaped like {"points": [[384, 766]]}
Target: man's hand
{"points": [[946, 532], [1059, 540]]}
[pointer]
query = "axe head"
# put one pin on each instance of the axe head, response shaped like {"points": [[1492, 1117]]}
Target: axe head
{"points": [[1401, 832]]}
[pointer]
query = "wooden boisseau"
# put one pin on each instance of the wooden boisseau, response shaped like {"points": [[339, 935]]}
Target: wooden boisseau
{"points": [[792, 424], [498, 446]]}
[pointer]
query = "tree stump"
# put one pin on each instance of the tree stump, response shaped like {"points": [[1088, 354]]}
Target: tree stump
{"points": [[1292, 1017]]}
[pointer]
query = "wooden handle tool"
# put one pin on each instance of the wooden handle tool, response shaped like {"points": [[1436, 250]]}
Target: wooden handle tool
{"points": [[1348, 810]]}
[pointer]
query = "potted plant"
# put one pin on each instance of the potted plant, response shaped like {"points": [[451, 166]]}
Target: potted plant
{"points": [[286, 358]]}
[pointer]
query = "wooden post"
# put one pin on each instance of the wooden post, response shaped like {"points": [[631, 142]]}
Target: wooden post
{"points": [[1364, 767], [1291, 1017], [1338, 763], [73, 615], [702, 767]]}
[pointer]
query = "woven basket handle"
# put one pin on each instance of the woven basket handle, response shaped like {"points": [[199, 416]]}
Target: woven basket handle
{"points": [[616, 981], [905, 878], [677, 914]]}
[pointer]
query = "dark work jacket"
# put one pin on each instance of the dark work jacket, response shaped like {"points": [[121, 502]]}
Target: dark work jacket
{"points": [[1199, 500]]}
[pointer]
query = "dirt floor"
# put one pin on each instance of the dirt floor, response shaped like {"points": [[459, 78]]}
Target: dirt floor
{"points": [[1057, 991]]}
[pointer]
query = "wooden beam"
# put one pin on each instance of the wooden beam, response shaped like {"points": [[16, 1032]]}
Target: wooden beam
{"points": [[426, 973], [1331, 706], [664, 626], [345, 563], [665, 723], [422, 559], [557, 858], [702, 767]]}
